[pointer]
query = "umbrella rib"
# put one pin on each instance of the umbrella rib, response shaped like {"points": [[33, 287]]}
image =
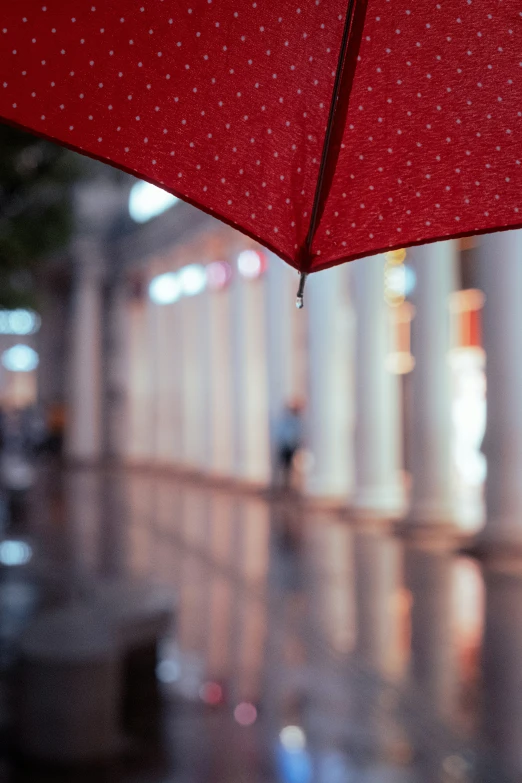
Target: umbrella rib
{"points": [[329, 128]]}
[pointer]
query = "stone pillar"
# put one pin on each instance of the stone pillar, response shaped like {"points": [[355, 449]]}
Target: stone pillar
{"points": [[138, 402], [432, 499], [250, 427], [169, 360], [500, 270], [161, 352], [218, 370], [174, 358], [330, 397], [115, 349], [195, 390], [97, 203], [152, 371], [84, 431], [378, 461]]}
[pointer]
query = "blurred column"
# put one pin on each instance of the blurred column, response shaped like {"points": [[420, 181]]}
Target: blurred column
{"points": [[249, 397], [195, 389], [168, 359], [139, 409], [330, 402], [151, 398], [115, 366], [378, 460], [174, 402], [163, 359], [219, 417], [84, 432], [500, 269], [430, 428]]}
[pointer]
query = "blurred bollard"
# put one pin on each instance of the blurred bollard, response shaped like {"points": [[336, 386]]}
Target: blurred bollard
{"points": [[140, 616], [70, 688], [138, 613]]}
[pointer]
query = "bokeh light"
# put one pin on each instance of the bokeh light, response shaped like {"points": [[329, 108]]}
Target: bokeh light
{"points": [[15, 553], [193, 279], [19, 321], [20, 358], [211, 693], [245, 714], [293, 738], [168, 671], [146, 201], [165, 289], [251, 264], [218, 275], [396, 256]]}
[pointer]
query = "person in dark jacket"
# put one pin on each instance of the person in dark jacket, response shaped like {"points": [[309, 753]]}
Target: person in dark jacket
{"points": [[289, 439]]}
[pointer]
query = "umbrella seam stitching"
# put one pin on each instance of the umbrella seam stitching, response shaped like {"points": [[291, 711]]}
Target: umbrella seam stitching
{"points": [[328, 135]]}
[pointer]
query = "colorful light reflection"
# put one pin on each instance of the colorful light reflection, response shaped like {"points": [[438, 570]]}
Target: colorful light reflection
{"points": [[165, 289], [245, 714], [193, 279], [251, 264], [146, 201], [20, 358], [211, 693], [218, 275]]}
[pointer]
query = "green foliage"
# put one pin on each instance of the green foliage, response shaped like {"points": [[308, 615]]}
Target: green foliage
{"points": [[35, 208]]}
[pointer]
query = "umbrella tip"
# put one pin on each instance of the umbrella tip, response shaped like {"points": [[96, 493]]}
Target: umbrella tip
{"points": [[299, 302]]}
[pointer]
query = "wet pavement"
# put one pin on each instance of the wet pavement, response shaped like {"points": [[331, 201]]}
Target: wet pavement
{"points": [[306, 649]]}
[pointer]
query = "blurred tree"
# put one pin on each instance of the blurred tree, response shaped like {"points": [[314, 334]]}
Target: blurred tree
{"points": [[36, 217]]}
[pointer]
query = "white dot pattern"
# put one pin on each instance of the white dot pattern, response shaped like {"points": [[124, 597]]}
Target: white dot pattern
{"points": [[226, 105], [200, 84], [433, 129]]}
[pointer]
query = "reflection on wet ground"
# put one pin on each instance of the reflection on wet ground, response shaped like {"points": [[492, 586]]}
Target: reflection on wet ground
{"points": [[306, 650]]}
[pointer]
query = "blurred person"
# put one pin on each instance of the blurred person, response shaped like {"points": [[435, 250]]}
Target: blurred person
{"points": [[33, 428], [289, 440], [55, 428], [16, 469]]}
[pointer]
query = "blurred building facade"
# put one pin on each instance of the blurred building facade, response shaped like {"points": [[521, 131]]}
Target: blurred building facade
{"points": [[183, 345]]}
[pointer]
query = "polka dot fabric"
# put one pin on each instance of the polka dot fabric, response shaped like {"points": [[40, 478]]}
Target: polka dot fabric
{"points": [[225, 103], [432, 142]]}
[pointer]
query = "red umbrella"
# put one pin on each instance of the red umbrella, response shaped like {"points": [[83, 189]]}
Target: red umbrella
{"points": [[325, 129]]}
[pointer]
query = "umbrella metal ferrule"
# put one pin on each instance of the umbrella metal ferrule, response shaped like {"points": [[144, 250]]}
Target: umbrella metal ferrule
{"points": [[299, 302]]}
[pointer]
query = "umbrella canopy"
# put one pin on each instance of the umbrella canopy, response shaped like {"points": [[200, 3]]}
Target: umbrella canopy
{"points": [[325, 129]]}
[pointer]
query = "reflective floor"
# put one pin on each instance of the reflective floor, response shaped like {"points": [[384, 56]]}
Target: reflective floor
{"points": [[306, 649]]}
